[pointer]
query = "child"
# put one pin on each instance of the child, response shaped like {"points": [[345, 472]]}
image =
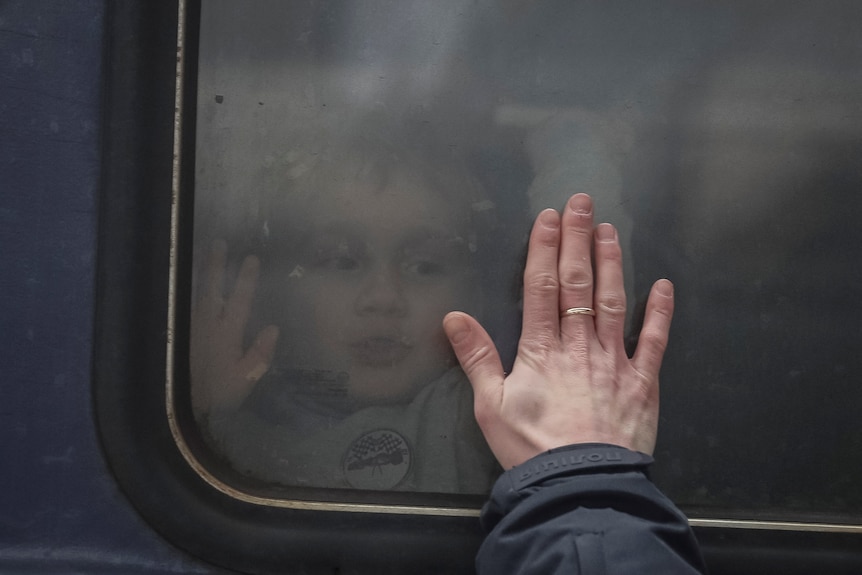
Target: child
{"points": [[368, 244]]}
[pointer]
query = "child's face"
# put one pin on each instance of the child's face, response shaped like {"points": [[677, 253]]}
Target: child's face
{"points": [[378, 269]]}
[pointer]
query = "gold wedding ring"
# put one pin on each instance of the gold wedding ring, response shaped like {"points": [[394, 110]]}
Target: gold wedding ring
{"points": [[578, 311]]}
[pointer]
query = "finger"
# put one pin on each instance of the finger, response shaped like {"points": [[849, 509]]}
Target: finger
{"points": [[541, 282], [610, 293], [258, 357], [238, 306], [232, 391], [212, 300], [479, 359], [575, 266], [654, 335]]}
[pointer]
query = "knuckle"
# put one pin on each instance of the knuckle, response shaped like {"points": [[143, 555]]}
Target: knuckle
{"points": [[547, 239], [538, 346], [476, 356], [610, 251], [666, 313], [541, 284], [579, 224], [655, 340], [612, 304], [579, 352], [576, 277]]}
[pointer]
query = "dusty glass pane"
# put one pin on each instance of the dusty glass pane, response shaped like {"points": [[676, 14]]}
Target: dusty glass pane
{"points": [[376, 164], [368, 236]]}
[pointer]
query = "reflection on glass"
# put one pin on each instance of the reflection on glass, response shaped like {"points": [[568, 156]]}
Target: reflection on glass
{"points": [[370, 166]]}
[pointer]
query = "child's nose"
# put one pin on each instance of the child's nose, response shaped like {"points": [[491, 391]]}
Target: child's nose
{"points": [[380, 293]]}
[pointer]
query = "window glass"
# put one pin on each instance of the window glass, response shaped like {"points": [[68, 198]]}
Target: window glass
{"points": [[363, 168]]}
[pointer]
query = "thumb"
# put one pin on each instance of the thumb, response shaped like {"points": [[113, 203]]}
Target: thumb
{"points": [[476, 353]]}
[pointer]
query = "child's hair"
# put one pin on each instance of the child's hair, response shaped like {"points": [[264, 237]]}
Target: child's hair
{"points": [[371, 152]]}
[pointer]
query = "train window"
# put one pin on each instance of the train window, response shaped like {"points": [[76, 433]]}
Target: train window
{"points": [[349, 172], [333, 231], [348, 380]]}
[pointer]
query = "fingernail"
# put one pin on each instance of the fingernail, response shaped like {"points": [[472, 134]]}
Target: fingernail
{"points": [[605, 233], [581, 204], [457, 329], [664, 287]]}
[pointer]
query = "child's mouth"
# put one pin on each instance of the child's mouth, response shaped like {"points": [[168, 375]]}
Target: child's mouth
{"points": [[380, 351]]}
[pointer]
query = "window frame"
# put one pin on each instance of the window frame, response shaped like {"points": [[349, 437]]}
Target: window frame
{"points": [[143, 276]]}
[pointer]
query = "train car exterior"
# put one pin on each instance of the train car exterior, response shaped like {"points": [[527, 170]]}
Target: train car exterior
{"points": [[119, 128]]}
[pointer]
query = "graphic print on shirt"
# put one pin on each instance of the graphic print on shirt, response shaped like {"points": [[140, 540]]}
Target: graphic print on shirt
{"points": [[379, 459]]}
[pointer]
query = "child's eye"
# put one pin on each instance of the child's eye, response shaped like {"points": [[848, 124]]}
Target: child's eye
{"points": [[340, 263], [335, 254], [423, 268]]}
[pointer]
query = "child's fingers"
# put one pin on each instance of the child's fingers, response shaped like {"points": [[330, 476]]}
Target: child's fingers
{"points": [[238, 306], [234, 388], [479, 359], [654, 335], [258, 357]]}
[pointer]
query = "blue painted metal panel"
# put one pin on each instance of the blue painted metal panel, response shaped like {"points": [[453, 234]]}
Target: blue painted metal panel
{"points": [[60, 509]]}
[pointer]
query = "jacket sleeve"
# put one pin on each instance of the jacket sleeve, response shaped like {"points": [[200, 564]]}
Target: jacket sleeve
{"points": [[584, 509]]}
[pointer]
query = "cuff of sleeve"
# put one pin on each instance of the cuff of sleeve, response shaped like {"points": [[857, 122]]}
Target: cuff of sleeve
{"points": [[574, 459], [554, 466]]}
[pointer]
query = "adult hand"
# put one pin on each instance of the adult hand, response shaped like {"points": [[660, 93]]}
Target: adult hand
{"points": [[223, 372], [572, 381]]}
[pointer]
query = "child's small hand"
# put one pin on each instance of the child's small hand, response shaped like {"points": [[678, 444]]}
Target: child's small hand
{"points": [[223, 373], [572, 381]]}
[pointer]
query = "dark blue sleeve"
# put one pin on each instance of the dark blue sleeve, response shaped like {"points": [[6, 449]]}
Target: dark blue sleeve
{"points": [[584, 509]]}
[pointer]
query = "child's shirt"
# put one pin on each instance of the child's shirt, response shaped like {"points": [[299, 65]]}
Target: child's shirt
{"points": [[432, 444]]}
